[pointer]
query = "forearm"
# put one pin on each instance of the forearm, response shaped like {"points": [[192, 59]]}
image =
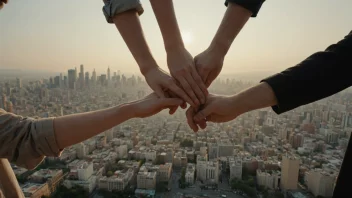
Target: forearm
{"points": [[72, 129], [234, 20], [130, 28], [256, 97], [319, 76], [166, 17], [8, 180]]}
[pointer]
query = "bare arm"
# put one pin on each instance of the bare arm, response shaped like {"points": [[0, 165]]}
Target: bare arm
{"points": [[180, 61], [209, 63], [166, 17], [72, 129], [232, 23], [35, 139], [130, 28], [9, 180]]}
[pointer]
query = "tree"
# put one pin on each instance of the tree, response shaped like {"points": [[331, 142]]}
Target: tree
{"points": [[109, 173]]}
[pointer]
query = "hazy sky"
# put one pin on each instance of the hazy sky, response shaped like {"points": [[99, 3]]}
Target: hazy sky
{"points": [[58, 35]]}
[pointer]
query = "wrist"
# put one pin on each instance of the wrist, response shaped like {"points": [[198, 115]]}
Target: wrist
{"points": [[174, 47], [146, 66], [239, 104], [219, 47]]}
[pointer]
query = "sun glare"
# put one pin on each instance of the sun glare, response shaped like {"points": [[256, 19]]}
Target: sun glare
{"points": [[187, 37]]}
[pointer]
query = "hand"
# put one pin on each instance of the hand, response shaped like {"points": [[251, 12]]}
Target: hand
{"points": [[209, 64], [165, 86], [2, 2], [152, 104], [181, 65], [190, 113], [217, 109]]}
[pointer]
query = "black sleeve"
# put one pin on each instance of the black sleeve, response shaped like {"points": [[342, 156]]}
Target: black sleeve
{"points": [[320, 75], [251, 5]]}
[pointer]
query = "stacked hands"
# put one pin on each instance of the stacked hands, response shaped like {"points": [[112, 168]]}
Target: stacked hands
{"points": [[190, 77]]}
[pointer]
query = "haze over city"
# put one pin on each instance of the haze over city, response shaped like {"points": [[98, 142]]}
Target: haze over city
{"points": [[268, 115], [58, 35]]}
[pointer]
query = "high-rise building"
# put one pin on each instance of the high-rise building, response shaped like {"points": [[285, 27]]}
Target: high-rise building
{"points": [[103, 80], [235, 168], [61, 81], [94, 77], [109, 77], [65, 82], [320, 182], [19, 83], [57, 81], [289, 172], [71, 78], [87, 79], [81, 76]]}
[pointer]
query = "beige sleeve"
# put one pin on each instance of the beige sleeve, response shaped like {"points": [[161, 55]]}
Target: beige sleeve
{"points": [[26, 141]]}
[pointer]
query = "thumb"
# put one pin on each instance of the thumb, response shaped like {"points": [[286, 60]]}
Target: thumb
{"points": [[203, 114]]}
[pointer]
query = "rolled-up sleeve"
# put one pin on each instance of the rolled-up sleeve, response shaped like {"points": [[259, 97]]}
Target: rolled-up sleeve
{"points": [[26, 141], [115, 7], [251, 5]]}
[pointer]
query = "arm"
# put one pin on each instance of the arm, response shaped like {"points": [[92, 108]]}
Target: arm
{"points": [[320, 75], [130, 28], [128, 23], [8, 180], [180, 61], [26, 142], [209, 63]]}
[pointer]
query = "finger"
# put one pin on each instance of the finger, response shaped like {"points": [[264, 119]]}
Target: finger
{"points": [[190, 114], [202, 114], [1, 5], [211, 77], [200, 82], [196, 89], [172, 110], [170, 102], [181, 93], [159, 92], [202, 124], [183, 105], [189, 91], [203, 73]]}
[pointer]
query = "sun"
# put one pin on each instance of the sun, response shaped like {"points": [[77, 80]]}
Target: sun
{"points": [[187, 37]]}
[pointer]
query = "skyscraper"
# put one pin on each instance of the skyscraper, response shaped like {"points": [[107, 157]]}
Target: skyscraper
{"points": [[94, 77], [19, 83], [289, 172], [109, 77], [61, 81], [71, 78], [87, 79], [81, 76]]}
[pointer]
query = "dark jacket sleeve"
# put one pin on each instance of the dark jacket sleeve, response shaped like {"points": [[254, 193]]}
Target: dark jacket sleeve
{"points": [[251, 5], [320, 75]]}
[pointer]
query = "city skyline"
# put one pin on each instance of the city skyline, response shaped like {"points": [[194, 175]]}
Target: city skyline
{"points": [[69, 40]]}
